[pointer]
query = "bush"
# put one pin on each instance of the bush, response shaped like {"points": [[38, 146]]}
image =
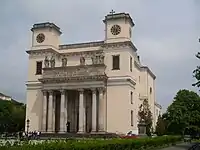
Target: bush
{"points": [[97, 144]]}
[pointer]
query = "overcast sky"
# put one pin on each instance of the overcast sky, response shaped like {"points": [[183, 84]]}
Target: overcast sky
{"points": [[166, 36]]}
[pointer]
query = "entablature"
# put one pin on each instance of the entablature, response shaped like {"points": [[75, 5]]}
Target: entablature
{"points": [[74, 73]]}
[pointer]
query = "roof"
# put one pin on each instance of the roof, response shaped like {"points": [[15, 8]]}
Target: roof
{"points": [[158, 105], [149, 71], [1, 94], [46, 25], [119, 16]]}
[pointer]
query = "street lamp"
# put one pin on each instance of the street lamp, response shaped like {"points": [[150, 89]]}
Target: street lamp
{"points": [[28, 124]]}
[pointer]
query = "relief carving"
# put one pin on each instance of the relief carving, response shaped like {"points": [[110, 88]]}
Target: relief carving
{"points": [[82, 60], [98, 59], [52, 61], [75, 72], [64, 62], [46, 62]]}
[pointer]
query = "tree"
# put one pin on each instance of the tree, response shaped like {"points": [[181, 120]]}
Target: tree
{"points": [[196, 73], [160, 126], [12, 116], [183, 112], [144, 114]]}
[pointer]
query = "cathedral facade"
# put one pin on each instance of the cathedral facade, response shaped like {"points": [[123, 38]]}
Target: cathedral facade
{"points": [[87, 87]]}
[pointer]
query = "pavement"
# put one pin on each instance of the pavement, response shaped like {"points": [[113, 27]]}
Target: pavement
{"points": [[182, 146]]}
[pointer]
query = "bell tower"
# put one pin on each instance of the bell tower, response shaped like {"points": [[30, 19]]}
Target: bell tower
{"points": [[118, 27], [45, 35]]}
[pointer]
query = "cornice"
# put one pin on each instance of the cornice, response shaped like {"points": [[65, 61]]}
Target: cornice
{"points": [[48, 52], [124, 44], [158, 105], [141, 68], [74, 79], [149, 71], [104, 46], [119, 16]]}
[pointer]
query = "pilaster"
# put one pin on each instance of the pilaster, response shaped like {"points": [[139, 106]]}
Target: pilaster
{"points": [[44, 114]]}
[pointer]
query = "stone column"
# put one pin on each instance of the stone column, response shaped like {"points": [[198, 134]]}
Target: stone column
{"points": [[81, 112], [62, 111], [94, 110], [44, 113], [54, 111], [101, 110], [50, 112], [66, 115]]}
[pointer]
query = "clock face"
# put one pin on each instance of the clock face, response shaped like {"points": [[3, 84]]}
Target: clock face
{"points": [[40, 38], [115, 29]]}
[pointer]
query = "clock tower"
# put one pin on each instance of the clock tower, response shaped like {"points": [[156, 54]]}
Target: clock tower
{"points": [[45, 35], [118, 27]]}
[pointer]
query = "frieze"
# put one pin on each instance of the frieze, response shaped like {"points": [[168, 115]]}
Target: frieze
{"points": [[42, 53], [119, 45], [83, 53], [49, 52], [74, 71], [74, 79]]}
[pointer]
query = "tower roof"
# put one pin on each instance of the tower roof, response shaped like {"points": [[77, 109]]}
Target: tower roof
{"points": [[46, 25], [114, 16]]}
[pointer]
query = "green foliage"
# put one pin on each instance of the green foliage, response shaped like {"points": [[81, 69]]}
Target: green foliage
{"points": [[145, 114], [183, 112], [116, 144], [12, 116], [196, 73], [160, 126]]}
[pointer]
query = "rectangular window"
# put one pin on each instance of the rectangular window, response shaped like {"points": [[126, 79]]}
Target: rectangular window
{"points": [[131, 66], [131, 97], [38, 67], [131, 118], [116, 62]]}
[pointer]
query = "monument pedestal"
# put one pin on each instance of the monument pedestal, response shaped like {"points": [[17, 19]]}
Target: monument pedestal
{"points": [[142, 129]]}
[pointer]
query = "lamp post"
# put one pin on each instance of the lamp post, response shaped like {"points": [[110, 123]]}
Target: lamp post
{"points": [[27, 125]]}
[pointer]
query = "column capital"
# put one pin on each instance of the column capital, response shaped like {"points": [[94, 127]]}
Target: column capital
{"points": [[44, 92], [81, 90], [93, 90], [101, 89], [50, 92], [62, 91]]}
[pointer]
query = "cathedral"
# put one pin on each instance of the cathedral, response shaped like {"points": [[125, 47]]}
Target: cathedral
{"points": [[91, 87]]}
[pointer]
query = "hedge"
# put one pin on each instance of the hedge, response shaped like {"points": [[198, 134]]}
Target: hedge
{"points": [[96, 144]]}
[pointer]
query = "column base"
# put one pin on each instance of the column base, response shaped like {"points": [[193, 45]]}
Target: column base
{"points": [[93, 132], [80, 132], [101, 132], [62, 132]]}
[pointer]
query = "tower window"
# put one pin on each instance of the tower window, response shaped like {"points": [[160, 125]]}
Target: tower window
{"points": [[116, 62], [131, 118], [131, 97], [150, 90], [131, 66], [38, 67]]}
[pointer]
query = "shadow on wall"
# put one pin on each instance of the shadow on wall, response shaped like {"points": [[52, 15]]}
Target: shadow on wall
{"points": [[37, 108]]}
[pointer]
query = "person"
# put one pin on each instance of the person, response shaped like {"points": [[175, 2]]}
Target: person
{"points": [[68, 126]]}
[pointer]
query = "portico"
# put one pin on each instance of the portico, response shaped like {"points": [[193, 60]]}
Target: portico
{"points": [[79, 108]]}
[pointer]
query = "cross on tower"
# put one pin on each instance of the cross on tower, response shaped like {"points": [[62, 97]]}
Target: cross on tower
{"points": [[112, 12]]}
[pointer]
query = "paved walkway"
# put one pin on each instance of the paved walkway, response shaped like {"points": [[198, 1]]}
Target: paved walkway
{"points": [[182, 146]]}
